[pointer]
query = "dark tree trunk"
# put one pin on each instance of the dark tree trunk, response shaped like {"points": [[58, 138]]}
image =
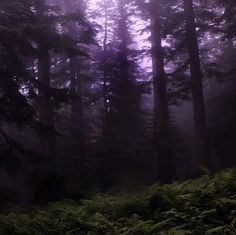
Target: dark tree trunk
{"points": [[77, 107], [159, 79], [166, 168], [123, 31], [196, 86], [77, 112], [46, 110], [106, 98], [105, 75]]}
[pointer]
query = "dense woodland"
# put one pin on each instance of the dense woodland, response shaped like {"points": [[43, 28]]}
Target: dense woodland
{"points": [[110, 94]]}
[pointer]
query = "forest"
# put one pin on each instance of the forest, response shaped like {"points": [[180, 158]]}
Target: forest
{"points": [[118, 116]]}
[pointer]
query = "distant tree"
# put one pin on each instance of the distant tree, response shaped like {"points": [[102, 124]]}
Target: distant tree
{"points": [[82, 33], [46, 117]]}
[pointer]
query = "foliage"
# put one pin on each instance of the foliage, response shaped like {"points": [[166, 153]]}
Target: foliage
{"points": [[206, 205]]}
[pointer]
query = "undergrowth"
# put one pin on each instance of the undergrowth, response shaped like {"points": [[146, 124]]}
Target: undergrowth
{"points": [[206, 205]]}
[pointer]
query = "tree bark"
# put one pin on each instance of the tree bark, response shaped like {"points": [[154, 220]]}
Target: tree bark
{"points": [[196, 86]]}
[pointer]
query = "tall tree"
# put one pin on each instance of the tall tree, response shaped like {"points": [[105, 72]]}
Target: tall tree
{"points": [[159, 76], [125, 41], [160, 93], [202, 147], [45, 110], [105, 59], [75, 64]]}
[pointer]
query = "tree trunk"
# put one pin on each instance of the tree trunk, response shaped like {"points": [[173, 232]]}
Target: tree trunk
{"points": [[161, 128], [46, 111], [77, 111], [124, 45], [77, 108], [196, 86], [105, 103], [159, 78]]}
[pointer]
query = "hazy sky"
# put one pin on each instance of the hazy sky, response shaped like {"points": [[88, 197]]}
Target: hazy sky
{"points": [[140, 40]]}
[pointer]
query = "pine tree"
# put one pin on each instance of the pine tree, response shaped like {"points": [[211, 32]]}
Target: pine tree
{"points": [[202, 147], [75, 64]]}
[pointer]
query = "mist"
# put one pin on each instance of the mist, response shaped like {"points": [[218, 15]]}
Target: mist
{"points": [[104, 97]]}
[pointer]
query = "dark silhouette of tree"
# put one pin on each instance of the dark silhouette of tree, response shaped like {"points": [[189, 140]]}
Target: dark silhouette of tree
{"points": [[160, 90], [80, 30], [45, 108], [155, 12], [202, 147]]}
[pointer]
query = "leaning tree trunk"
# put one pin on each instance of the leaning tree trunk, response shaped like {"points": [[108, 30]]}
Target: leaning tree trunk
{"points": [[196, 86], [48, 138], [166, 165]]}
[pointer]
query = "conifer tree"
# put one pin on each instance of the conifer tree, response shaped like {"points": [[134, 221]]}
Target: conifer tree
{"points": [[201, 139]]}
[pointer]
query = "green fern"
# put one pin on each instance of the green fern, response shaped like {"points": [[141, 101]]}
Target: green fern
{"points": [[204, 206]]}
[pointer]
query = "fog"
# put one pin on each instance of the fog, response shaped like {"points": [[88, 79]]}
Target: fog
{"points": [[105, 95]]}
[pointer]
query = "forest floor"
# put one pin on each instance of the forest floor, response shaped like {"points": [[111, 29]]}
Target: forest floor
{"points": [[206, 205]]}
